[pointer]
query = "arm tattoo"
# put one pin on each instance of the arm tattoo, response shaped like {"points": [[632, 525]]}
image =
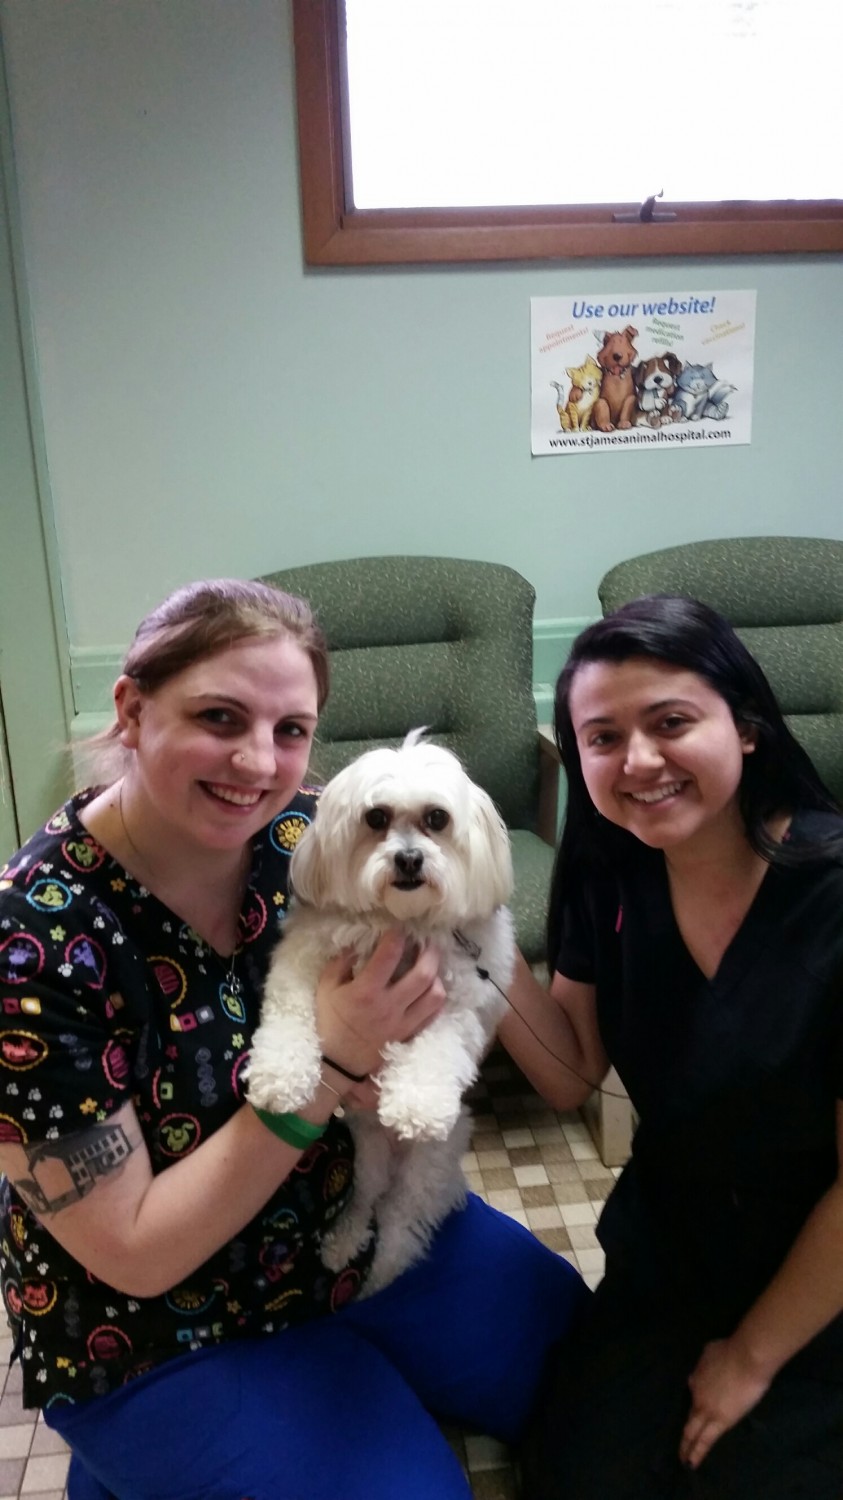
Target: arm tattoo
{"points": [[65, 1170]]}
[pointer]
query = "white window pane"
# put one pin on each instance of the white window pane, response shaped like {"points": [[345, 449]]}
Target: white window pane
{"points": [[484, 102]]}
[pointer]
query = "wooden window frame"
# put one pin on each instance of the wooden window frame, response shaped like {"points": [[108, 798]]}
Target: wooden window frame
{"points": [[337, 234]]}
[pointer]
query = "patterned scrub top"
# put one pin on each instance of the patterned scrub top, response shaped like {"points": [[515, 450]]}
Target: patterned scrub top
{"points": [[106, 995]]}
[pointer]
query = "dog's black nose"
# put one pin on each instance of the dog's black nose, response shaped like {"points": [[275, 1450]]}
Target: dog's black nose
{"points": [[408, 862]]}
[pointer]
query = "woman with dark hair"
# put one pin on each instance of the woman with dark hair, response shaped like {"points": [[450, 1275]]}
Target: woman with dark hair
{"points": [[696, 935]]}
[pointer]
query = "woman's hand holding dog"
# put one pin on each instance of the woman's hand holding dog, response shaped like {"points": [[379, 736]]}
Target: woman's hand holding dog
{"points": [[357, 1015]]}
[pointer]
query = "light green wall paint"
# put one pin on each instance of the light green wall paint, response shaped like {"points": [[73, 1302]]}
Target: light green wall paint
{"points": [[34, 686], [9, 831], [212, 406], [93, 673], [551, 643]]}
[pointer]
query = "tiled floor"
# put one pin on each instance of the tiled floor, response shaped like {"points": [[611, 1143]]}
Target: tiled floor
{"points": [[539, 1167]]}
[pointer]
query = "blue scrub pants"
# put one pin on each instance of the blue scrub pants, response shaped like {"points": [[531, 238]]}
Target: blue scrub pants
{"points": [[346, 1404]]}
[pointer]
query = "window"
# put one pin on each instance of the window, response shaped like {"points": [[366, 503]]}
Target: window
{"points": [[682, 100]]}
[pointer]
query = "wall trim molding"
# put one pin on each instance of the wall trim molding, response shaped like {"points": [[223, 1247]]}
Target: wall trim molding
{"points": [[552, 640], [93, 670]]}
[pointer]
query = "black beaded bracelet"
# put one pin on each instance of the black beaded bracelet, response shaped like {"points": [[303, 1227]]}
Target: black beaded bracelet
{"points": [[338, 1068]]}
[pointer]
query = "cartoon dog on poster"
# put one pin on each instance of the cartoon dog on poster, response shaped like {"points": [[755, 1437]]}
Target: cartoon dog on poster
{"points": [[615, 405]]}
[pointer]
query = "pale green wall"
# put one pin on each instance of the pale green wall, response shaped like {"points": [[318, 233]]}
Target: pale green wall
{"points": [[35, 695], [212, 406]]}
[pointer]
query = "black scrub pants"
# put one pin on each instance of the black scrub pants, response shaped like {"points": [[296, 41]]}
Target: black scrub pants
{"points": [[615, 1400]]}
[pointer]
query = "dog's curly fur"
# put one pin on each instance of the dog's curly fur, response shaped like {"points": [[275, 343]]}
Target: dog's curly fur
{"points": [[439, 867]]}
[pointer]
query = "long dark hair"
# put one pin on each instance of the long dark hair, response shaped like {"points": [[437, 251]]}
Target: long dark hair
{"points": [[778, 777]]}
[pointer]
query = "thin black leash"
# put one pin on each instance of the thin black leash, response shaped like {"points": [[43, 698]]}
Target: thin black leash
{"points": [[473, 950]]}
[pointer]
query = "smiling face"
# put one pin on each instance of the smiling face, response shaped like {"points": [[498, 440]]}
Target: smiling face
{"points": [[661, 755], [221, 747], [406, 833]]}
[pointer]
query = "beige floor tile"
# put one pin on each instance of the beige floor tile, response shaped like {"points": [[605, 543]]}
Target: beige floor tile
{"points": [[578, 1213], [495, 1484], [583, 1236], [525, 1156], [485, 1453], [46, 1441], [488, 1159], [593, 1170], [487, 1140], [584, 1150], [591, 1260], [545, 1218], [531, 1176], [555, 1239], [505, 1199], [15, 1442], [570, 1192], [565, 1171], [538, 1197], [495, 1178], [46, 1473]]}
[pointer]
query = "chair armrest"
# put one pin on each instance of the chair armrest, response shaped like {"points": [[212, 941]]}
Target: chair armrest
{"points": [[547, 822]]}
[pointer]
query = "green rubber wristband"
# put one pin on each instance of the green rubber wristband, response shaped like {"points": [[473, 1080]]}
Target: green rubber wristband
{"points": [[291, 1128]]}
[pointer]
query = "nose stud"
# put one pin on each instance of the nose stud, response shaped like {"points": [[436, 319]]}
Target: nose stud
{"points": [[240, 756]]}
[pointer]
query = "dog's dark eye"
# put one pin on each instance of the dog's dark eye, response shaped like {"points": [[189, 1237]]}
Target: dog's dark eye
{"points": [[436, 819], [377, 818]]}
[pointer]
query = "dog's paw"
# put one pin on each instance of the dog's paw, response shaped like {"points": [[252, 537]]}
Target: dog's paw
{"points": [[267, 1093], [343, 1244], [272, 1083], [418, 1115]]}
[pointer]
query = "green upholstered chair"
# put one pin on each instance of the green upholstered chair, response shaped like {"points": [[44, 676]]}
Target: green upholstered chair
{"points": [[784, 596], [447, 643]]}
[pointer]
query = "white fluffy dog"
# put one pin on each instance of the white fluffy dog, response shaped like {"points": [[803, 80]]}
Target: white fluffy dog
{"points": [[402, 838]]}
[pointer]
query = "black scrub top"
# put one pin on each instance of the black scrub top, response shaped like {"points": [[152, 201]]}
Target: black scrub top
{"points": [[735, 1079]]}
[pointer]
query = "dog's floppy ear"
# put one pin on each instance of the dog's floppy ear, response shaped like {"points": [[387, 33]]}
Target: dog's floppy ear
{"points": [[308, 869], [317, 861], [673, 363], [491, 855]]}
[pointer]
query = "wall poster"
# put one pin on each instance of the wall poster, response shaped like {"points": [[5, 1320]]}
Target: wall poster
{"points": [[669, 370]]}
